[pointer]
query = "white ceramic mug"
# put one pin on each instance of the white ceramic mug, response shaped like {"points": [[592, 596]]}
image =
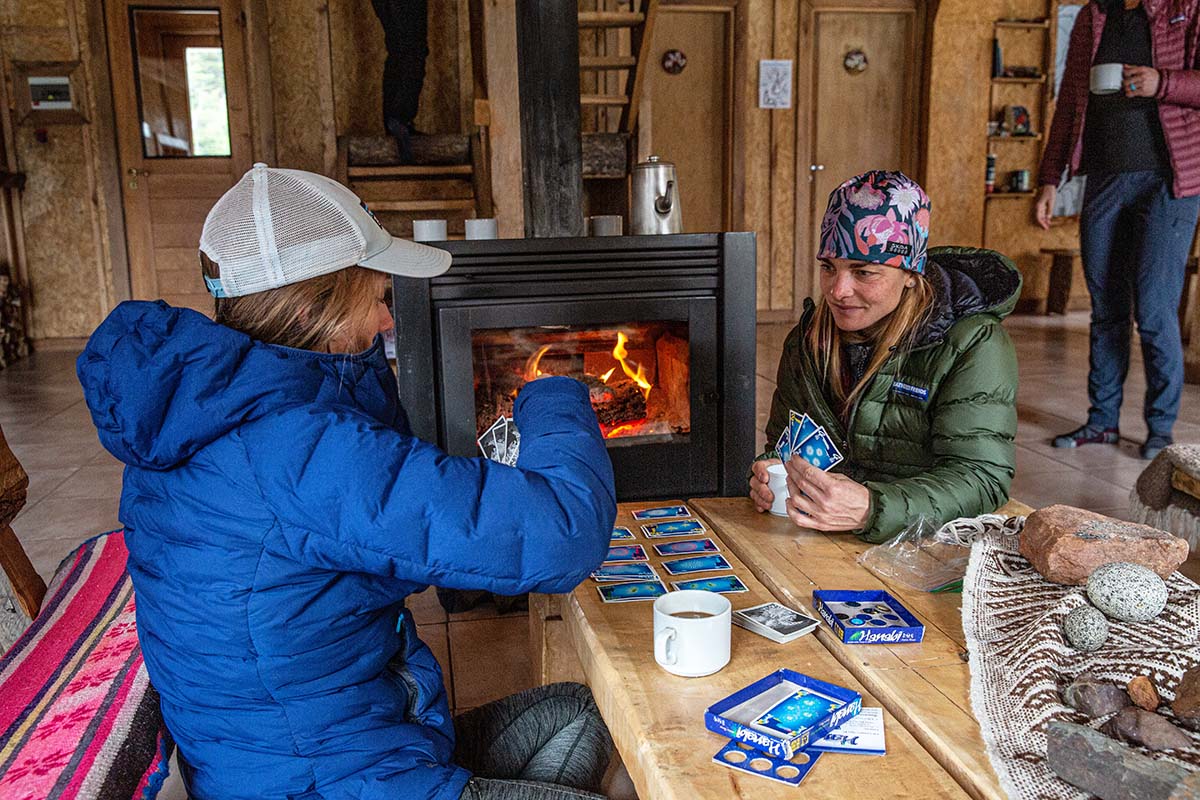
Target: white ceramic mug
{"points": [[429, 230], [482, 228], [691, 632], [1106, 78], [778, 486]]}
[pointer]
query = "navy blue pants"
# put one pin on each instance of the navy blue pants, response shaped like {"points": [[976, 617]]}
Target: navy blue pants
{"points": [[1135, 238]]}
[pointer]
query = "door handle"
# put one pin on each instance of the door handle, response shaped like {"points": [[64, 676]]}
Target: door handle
{"points": [[816, 167]]}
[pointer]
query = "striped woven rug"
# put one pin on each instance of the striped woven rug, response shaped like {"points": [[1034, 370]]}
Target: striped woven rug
{"points": [[78, 717]]}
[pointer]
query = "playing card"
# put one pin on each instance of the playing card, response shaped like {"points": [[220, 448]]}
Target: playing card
{"points": [[820, 451], [784, 446], [740, 756], [661, 512], [721, 584], [687, 546], [799, 710], [494, 441], [621, 532], [774, 621], [512, 447], [707, 563], [632, 571], [800, 427], [678, 527], [628, 592], [626, 552]]}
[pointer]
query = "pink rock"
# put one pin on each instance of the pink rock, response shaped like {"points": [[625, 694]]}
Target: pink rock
{"points": [[1065, 544]]}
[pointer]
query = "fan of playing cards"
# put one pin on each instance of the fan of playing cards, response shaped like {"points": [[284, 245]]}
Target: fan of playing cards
{"points": [[805, 438], [501, 442]]}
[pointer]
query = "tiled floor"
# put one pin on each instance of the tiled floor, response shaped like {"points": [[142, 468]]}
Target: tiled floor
{"points": [[74, 483]]}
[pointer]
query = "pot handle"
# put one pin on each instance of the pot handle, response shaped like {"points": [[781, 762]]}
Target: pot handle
{"points": [[663, 203]]}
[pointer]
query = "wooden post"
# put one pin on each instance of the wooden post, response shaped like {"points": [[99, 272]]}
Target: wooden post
{"points": [[551, 150], [503, 114]]}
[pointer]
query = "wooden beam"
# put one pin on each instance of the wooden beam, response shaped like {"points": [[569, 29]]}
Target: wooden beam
{"points": [[27, 586], [504, 103], [551, 152], [606, 62], [640, 41], [608, 19]]}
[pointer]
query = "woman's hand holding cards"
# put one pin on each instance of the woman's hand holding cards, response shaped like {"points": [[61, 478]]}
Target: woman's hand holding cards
{"points": [[823, 501], [760, 491]]}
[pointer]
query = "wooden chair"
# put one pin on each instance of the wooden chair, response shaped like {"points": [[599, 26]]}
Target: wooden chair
{"points": [[21, 588]]}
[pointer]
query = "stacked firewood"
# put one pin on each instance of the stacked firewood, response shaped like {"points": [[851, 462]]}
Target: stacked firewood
{"points": [[14, 343]]}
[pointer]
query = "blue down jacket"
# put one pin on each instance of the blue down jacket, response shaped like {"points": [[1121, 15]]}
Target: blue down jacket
{"points": [[278, 510]]}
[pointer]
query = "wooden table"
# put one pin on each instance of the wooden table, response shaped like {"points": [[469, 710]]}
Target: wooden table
{"points": [[657, 719], [925, 686]]}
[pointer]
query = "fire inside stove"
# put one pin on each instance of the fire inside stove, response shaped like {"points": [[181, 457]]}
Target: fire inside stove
{"points": [[636, 374]]}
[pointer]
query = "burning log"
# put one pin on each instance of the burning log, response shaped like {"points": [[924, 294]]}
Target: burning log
{"points": [[616, 402]]}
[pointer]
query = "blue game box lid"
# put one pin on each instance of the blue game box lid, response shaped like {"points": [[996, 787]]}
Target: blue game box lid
{"points": [[906, 629]]}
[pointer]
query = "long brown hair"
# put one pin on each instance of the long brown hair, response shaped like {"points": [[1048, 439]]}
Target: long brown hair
{"points": [[325, 313], [895, 333]]}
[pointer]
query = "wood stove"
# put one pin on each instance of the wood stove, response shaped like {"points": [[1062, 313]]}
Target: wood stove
{"points": [[661, 329]]}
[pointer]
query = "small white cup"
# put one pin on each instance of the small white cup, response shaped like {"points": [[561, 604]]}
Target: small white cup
{"points": [[1106, 78], [697, 643], [778, 486], [429, 230], [482, 228]]}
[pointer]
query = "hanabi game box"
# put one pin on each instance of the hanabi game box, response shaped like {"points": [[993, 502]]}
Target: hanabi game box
{"points": [[868, 617], [781, 713]]}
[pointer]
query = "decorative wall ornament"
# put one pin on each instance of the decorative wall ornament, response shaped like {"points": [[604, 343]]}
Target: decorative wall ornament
{"points": [[673, 62], [855, 61]]}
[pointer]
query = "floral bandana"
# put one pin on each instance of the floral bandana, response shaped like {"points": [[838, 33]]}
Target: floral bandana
{"points": [[880, 217]]}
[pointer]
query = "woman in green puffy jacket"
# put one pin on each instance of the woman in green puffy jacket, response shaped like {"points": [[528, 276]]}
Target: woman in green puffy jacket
{"points": [[904, 362]]}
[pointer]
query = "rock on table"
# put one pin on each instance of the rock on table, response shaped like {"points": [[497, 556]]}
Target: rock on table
{"points": [[1065, 544]]}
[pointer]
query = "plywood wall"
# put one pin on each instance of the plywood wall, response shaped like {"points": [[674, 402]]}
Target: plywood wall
{"points": [[68, 265], [957, 145]]}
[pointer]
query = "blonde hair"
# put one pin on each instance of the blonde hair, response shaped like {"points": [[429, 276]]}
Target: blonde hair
{"points": [[895, 333], [327, 313]]}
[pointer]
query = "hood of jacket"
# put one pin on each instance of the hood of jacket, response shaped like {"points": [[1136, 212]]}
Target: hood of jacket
{"points": [[162, 382], [968, 281]]}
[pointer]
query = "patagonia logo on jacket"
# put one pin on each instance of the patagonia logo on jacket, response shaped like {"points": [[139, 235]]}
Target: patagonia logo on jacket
{"points": [[909, 390]]}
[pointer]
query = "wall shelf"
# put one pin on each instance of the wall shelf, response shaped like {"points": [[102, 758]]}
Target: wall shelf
{"points": [[1025, 24], [1038, 79], [1037, 137]]}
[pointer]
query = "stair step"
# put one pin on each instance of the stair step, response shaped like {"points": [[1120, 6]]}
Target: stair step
{"points": [[603, 100], [607, 62], [422, 205], [427, 150], [610, 19], [368, 172]]}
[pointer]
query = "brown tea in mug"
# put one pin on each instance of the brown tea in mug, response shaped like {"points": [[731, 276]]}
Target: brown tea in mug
{"points": [[692, 615]]}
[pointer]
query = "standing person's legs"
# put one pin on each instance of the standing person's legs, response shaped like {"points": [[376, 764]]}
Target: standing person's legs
{"points": [[1108, 269], [546, 743], [1167, 226], [405, 34]]}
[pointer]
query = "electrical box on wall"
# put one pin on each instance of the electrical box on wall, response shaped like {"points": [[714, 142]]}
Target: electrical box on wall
{"points": [[47, 93]]}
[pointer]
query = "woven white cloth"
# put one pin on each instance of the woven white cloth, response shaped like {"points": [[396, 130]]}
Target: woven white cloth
{"points": [[1020, 662]]}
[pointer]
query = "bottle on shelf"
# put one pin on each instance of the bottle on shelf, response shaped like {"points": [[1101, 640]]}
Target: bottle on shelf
{"points": [[989, 180]]}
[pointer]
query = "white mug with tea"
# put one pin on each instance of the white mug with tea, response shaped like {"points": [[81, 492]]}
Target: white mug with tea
{"points": [[691, 632], [1106, 78]]}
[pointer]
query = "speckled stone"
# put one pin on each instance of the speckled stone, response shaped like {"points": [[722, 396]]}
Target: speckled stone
{"points": [[1086, 629], [1128, 592]]}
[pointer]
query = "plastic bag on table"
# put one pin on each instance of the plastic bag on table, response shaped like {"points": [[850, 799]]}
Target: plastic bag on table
{"points": [[930, 558]]}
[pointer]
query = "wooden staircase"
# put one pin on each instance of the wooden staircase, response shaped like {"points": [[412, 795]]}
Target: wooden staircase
{"points": [[614, 43]]}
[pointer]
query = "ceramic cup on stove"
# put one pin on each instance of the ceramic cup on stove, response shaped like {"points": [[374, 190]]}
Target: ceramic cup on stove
{"points": [[691, 632], [1106, 78], [429, 230], [482, 228], [778, 486]]}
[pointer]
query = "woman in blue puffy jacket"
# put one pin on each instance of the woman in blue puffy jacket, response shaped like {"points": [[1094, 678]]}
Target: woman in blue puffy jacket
{"points": [[278, 510]]}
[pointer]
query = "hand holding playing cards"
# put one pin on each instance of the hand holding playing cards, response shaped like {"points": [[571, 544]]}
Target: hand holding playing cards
{"points": [[831, 502], [760, 492]]}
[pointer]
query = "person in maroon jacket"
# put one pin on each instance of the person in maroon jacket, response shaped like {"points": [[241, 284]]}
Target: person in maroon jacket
{"points": [[1140, 149]]}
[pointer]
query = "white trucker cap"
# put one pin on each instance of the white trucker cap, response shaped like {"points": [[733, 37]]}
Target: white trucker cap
{"points": [[281, 226]]}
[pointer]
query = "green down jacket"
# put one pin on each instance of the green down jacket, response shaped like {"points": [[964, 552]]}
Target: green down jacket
{"points": [[933, 433]]}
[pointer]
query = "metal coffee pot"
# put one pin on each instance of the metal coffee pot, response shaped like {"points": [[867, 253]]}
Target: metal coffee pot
{"points": [[655, 198]]}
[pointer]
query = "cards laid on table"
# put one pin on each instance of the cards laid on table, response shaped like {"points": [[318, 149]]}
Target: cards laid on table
{"points": [[621, 532], [631, 571], [721, 584], [803, 437], [631, 591], [860, 735], [501, 442], [707, 563], [677, 527], [661, 512], [626, 552], [686, 546], [801, 709], [774, 621]]}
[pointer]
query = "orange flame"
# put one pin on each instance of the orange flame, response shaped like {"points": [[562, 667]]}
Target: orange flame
{"points": [[621, 430], [619, 353], [608, 374], [531, 366]]}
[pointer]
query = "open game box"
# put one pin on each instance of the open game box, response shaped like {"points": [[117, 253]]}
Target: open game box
{"points": [[867, 617]]}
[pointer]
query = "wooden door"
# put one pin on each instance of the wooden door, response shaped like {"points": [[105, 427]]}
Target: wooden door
{"points": [[183, 133], [686, 116], [861, 118]]}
